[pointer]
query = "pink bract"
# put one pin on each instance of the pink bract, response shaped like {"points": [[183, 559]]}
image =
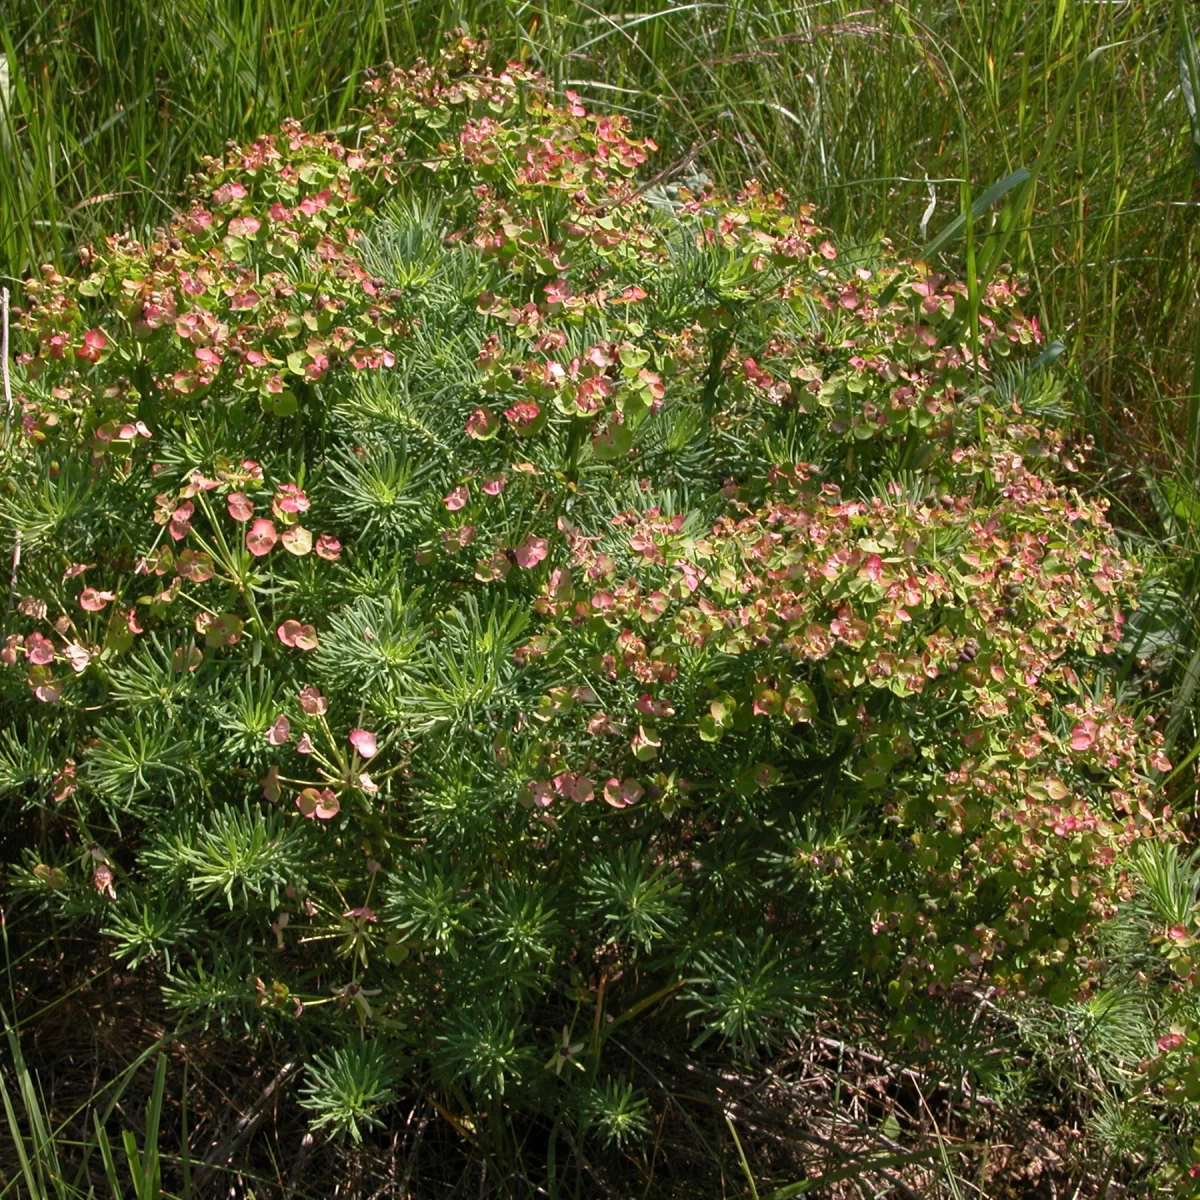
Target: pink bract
{"points": [[320, 805], [294, 633], [281, 732], [328, 548], [39, 649], [364, 742], [261, 537], [91, 600], [456, 499], [102, 880], [1083, 736], [94, 343], [621, 793], [297, 540], [481, 423], [531, 552], [290, 499], [241, 507], [180, 523]]}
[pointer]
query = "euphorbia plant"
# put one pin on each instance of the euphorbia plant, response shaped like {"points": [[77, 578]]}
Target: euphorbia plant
{"points": [[465, 591]]}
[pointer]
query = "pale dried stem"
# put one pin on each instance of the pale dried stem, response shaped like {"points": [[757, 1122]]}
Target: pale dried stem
{"points": [[8, 416]]}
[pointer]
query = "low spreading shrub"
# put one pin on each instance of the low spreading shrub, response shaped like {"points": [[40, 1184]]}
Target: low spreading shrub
{"points": [[472, 593]]}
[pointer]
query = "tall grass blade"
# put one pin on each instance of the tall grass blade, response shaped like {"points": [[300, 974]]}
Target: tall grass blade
{"points": [[996, 192], [106, 1157], [39, 1158], [1189, 85]]}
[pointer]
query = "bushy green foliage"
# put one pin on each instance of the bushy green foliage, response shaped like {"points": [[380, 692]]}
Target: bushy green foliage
{"points": [[470, 597]]}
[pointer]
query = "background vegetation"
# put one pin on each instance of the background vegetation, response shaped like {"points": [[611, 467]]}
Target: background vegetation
{"points": [[894, 119], [871, 111]]}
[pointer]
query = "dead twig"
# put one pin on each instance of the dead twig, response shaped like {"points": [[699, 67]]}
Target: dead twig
{"points": [[219, 1156], [676, 168], [410, 1166]]}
